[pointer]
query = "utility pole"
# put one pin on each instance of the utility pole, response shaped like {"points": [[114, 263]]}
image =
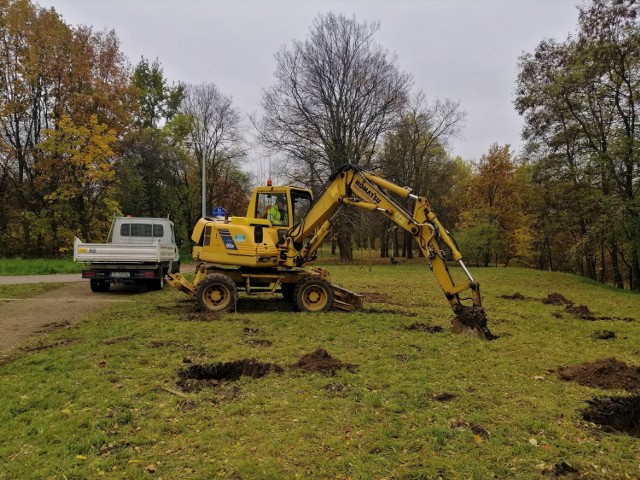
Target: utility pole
{"points": [[199, 151]]}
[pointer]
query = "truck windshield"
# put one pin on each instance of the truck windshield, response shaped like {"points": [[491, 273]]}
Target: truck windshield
{"points": [[141, 230]]}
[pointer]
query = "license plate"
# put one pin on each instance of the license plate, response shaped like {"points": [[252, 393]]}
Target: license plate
{"points": [[120, 274]]}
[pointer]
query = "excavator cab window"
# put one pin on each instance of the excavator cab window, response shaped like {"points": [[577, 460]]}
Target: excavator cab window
{"points": [[273, 207], [301, 204]]}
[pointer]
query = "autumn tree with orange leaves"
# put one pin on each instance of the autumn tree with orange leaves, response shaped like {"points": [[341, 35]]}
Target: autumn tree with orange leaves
{"points": [[63, 84]]}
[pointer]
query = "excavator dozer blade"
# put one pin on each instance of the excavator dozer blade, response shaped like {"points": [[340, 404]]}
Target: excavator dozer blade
{"points": [[472, 321], [181, 284], [346, 300]]}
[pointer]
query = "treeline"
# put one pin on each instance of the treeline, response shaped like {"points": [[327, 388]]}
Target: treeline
{"points": [[84, 136]]}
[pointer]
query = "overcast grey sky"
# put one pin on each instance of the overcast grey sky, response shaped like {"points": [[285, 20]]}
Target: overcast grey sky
{"points": [[464, 50]]}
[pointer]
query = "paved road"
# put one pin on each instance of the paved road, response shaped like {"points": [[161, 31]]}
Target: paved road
{"points": [[55, 278]]}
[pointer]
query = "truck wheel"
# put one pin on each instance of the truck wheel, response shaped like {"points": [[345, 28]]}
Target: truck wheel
{"points": [[99, 285], [217, 293], [175, 267], [313, 294]]}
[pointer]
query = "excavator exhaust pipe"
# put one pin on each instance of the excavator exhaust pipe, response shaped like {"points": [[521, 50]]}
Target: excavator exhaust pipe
{"points": [[472, 321]]}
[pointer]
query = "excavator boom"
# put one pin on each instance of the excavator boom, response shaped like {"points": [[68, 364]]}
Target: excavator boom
{"points": [[350, 185]]}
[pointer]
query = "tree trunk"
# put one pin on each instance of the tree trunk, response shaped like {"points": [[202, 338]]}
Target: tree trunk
{"points": [[384, 241], [617, 275], [344, 244], [635, 267]]}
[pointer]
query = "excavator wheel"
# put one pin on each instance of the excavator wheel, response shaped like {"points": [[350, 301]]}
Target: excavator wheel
{"points": [[313, 294], [216, 293], [472, 321]]}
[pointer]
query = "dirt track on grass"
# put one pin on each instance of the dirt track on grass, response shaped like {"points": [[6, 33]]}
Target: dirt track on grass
{"points": [[21, 319]]}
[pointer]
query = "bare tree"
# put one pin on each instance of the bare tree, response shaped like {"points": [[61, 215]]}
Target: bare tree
{"points": [[335, 94], [415, 154], [215, 137]]}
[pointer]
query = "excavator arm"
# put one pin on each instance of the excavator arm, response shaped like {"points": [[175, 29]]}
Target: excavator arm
{"points": [[350, 185]]}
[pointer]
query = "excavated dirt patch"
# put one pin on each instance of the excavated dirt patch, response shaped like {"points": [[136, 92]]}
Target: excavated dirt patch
{"points": [[562, 470], [114, 340], [603, 335], [258, 342], [320, 361], [46, 346], [197, 376], [374, 297], [515, 296], [615, 414], [606, 374], [580, 311], [423, 327], [444, 397], [556, 299]]}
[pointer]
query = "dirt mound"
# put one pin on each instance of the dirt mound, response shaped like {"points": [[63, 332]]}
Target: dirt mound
{"points": [[444, 397], [556, 299], [580, 311], [615, 414], [603, 335], [423, 327], [562, 470], [605, 374], [515, 296], [199, 376], [374, 297], [321, 362]]}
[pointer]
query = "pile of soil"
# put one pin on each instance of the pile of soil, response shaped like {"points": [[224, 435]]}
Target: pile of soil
{"points": [[197, 376], [556, 299], [374, 297], [580, 311], [603, 335], [615, 414], [562, 470], [423, 327], [320, 361], [606, 374]]}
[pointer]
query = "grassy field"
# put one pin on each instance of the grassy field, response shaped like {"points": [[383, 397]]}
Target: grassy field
{"points": [[21, 266], [105, 402]]}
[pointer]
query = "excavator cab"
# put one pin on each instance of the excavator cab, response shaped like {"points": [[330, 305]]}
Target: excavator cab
{"points": [[285, 207]]}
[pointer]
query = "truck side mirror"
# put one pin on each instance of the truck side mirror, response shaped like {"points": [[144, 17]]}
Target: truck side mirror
{"points": [[258, 234], [180, 243]]}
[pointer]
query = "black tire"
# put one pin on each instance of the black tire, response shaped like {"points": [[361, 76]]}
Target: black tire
{"points": [[313, 294], [288, 291], [217, 293], [175, 267], [99, 285]]}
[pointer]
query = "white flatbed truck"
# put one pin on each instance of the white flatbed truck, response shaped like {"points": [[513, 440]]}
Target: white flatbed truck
{"points": [[138, 250]]}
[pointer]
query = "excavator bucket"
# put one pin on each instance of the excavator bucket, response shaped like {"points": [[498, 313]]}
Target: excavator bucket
{"points": [[472, 321]]}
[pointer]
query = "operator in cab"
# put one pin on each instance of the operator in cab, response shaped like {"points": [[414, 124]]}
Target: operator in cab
{"points": [[277, 214]]}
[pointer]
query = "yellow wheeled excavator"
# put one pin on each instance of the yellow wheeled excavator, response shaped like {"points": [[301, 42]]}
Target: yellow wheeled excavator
{"points": [[267, 249]]}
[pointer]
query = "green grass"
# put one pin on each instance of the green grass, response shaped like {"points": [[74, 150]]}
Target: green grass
{"points": [[105, 404], [21, 266]]}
